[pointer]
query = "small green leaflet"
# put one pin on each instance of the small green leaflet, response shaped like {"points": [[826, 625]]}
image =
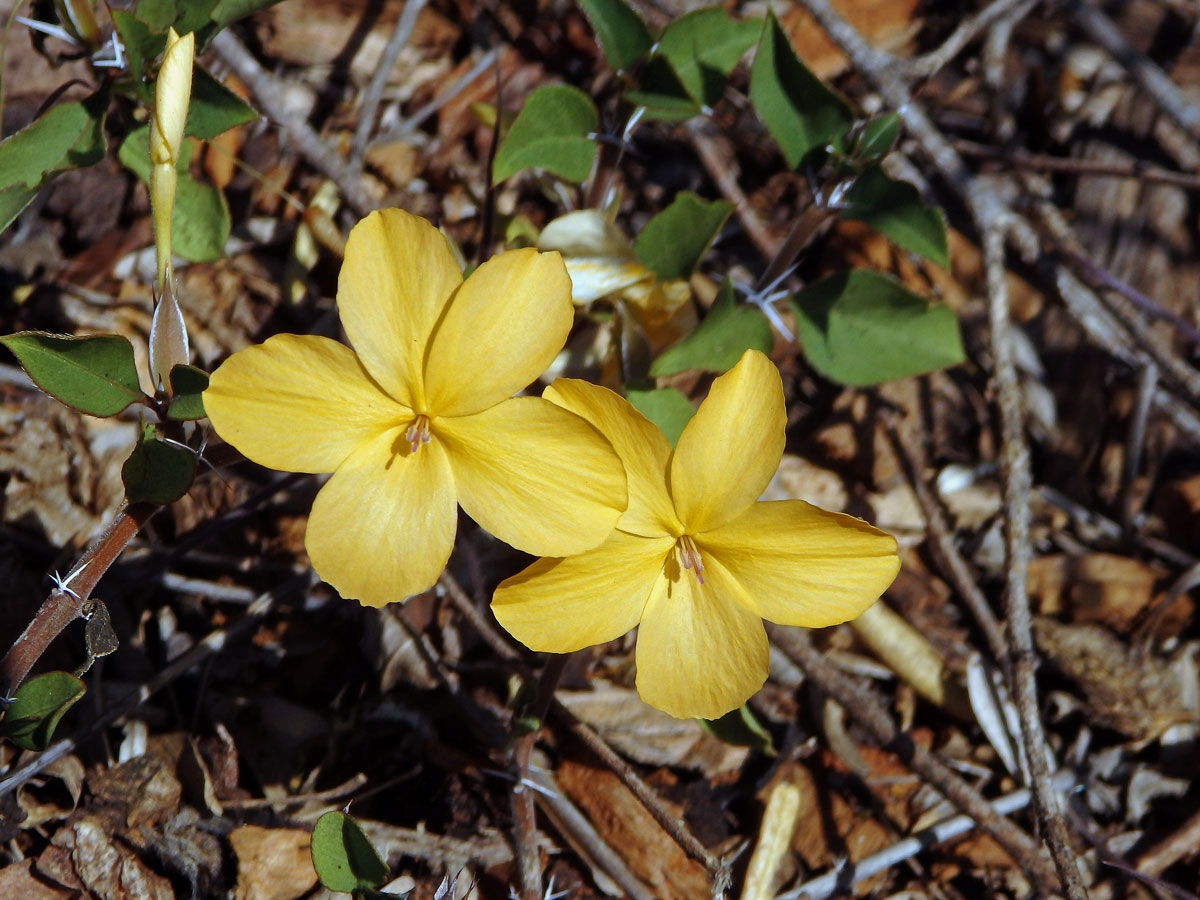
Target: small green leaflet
{"points": [[94, 374], [863, 328], [728, 331], [156, 471], [894, 209], [800, 112], [187, 390], [343, 857], [620, 31], [37, 708], [551, 133], [672, 243]]}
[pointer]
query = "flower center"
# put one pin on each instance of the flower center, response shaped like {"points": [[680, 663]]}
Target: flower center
{"points": [[689, 556], [418, 433]]}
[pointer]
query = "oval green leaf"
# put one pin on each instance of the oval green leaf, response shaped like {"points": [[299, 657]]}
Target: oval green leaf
{"points": [[741, 728], [622, 34], [800, 112], [37, 708], [703, 46], [214, 108], [551, 133], [863, 328], [343, 857], [728, 331], [94, 374], [673, 242], [157, 471]]}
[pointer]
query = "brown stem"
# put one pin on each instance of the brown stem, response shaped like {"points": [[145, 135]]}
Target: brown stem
{"points": [[63, 606]]}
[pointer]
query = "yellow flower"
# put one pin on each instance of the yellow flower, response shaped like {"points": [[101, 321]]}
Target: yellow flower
{"points": [[420, 415], [694, 561]]}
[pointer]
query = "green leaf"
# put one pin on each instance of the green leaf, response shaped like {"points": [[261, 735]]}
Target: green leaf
{"points": [[37, 708], [95, 374], [800, 112], [214, 108], [740, 727], [662, 93], [69, 136], [142, 45], [673, 241], [878, 136], [622, 34], [226, 12], [343, 857], [550, 133], [665, 407], [703, 46], [728, 331], [200, 222], [894, 209], [157, 471], [187, 389], [863, 328], [158, 14]]}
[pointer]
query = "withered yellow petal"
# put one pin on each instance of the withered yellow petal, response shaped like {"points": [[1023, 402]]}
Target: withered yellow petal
{"points": [[563, 605], [639, 443], [502, 330], [397, 277], [700, 652], [298, 403], [802, 565], [534, 475], [382, 527], [731, 447]]}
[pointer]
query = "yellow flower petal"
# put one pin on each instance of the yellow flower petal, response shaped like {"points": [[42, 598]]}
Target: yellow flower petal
{"points": [[502, 330], [397, 277], [534, 475], [700, 652], [802, 565], [593, 277], [298, 403], [731, 447], [383, 526], [585, 232], [563, 605], [639, 443]]}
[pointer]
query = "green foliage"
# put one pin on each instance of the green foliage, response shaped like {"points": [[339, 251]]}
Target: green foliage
{"points": [[200, 222], [877, 136], [343, 857], [695, 55], [800, 112], [550, 133], [894, 209], [622, 34], [864, 328], [69, 136], [142, 45], [226, 12], [673, 242], [157, 471], [214, 108], [740, 727], [187, 389], [728, 331], [665, 407], [37, 708], [94, 374]]}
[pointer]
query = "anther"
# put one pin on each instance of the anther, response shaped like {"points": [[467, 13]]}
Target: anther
{"points": [[418, 433], [689, 557]]}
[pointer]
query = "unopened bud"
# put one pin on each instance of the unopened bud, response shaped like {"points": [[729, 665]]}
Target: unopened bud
{"points": [[168, 337], [171, 95]]}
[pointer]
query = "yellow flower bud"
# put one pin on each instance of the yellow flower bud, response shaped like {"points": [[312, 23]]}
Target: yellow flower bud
{"points": [[171, 95]]}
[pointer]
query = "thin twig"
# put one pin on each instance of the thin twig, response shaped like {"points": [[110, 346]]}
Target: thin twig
{"points": [[930, 63], [270, 96], [1040, 162], [721, 167], [943, 546], [374, 92], [66, 602], [1149, 76], [413, 122], [870, 713]]}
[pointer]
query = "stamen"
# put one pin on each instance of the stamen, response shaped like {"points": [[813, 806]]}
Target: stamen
{"points": [[689, 557], [418, 433]]}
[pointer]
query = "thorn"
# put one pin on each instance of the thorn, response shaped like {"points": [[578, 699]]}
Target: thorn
{"points": [[46, 28]]}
